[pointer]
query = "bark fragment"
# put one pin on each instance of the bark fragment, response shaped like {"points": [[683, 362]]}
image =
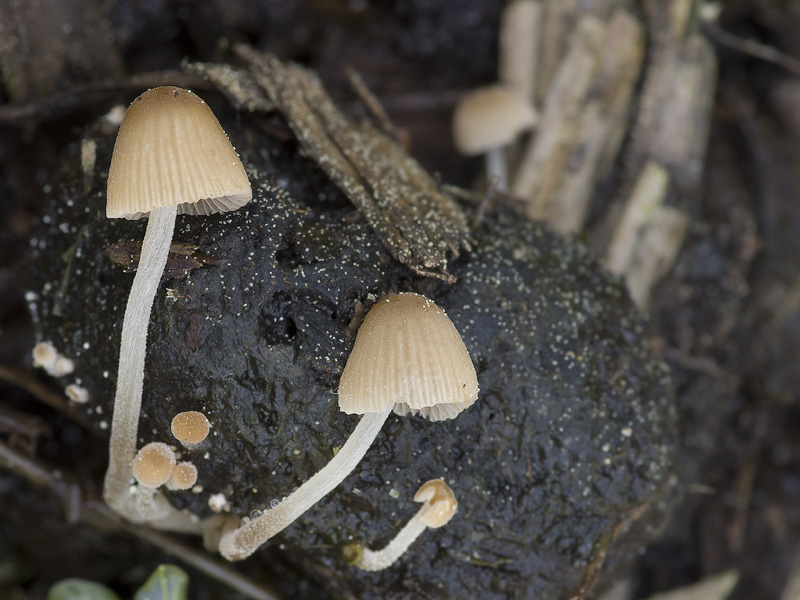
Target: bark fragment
{"points": [[416, 222]]}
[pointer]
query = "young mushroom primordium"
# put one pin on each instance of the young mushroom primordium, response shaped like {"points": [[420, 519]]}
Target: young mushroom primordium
{"points": [[438, 507], [488, 119], [407, 357], [152, 467], [190, 428], [171, 156]]}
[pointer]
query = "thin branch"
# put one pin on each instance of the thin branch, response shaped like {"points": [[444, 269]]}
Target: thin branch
{"points": [[764, 52], [202, 562], [42, 393], [99, 516], [79, 96], [372, 103]]}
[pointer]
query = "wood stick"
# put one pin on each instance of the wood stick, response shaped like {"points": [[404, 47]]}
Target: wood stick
{"points": [[520, 36], [655, 252], [648, 194], [546, 155], [602, 124]]}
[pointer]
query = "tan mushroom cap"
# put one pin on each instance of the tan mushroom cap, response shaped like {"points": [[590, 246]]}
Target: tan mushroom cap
{"points": [[171, 150], [190, 427], [184, 476], [441, 499], [490, 117], [153, 464], [408, 353], [44, 354]]}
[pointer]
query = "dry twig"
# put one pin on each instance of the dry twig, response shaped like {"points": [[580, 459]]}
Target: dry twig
{"points": [[419, 225], [96, 514]]}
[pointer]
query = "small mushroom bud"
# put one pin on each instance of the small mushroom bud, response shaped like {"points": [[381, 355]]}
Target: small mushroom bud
{"points": [[190, 428], [438, 507], [63, 366], [44, 356], [152, 468], [184, 476], [153, 464], [76, 393]]}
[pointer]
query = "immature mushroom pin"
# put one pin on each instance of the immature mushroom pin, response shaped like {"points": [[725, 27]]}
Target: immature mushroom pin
{"points": [[171, 156], [184, 476], [488, 119], [438, 507], [153, 464], [408, 356], [190, 428], [152, 468]]}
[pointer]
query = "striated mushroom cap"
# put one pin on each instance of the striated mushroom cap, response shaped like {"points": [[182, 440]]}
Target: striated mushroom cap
{"points": [[441, 500], [408, 353], [171, 150]]}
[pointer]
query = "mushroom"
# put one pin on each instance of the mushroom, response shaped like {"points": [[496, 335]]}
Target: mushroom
{"points": [[184, 476], [63, 366], [48, 358], [190, 428], [76, 393], [152, 468], [153, 464], [488, 119], [438, 507], [44, 356], [171, 156], [408, 356]]}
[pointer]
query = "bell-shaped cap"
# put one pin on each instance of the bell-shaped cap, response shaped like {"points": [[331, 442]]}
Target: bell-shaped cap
{"points": [[490, 117], [172, 151], [408, 354], [441, 501]]}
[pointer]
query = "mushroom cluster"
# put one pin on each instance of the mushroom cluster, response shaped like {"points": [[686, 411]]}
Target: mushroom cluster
{"points": [[172, 156], [408, 357], [154, 465]]}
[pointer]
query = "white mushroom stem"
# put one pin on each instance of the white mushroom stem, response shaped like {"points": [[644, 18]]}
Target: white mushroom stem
{"points": [[149, 504], [242, 542], [130, 376], [439, 506], [497, 166], [377, 560]]}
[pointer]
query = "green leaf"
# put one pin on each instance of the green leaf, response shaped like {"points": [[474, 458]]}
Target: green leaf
{"points": [[167, 582], [80, 589]]}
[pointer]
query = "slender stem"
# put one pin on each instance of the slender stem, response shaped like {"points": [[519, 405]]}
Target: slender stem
{"points": [[496, 166], [376, 560], [242, 542], [130, 376]]}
